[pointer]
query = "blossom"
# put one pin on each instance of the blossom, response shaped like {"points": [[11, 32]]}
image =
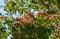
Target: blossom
{"points": [[8, 0], [19, 18], [45, 17], [40, 13], [30, 21], [27, 17], [53, 16], [22, 22], [29, 13], [24, 19]]}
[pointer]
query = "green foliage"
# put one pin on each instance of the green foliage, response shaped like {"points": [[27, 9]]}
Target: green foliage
{"points": [[3, 34], [42, 27]]}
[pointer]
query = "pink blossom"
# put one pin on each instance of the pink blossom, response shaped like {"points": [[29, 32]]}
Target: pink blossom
{"points": [[53, 16], [40, 13], [45, 17]]}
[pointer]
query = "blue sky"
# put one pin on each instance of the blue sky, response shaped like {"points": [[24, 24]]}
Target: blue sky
{"points": [[1, 2], [1, 8]]}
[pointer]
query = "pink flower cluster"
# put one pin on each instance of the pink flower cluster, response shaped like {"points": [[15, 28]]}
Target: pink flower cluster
{"points": [[42, 13], [28, 17], [53, 16], [24, 19]]}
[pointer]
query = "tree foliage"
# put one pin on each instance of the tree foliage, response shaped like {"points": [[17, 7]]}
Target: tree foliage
{"points": [[46, 24]]}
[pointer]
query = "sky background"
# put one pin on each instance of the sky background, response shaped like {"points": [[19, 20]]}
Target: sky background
{"points": [[1, 8], [1, 2]]}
